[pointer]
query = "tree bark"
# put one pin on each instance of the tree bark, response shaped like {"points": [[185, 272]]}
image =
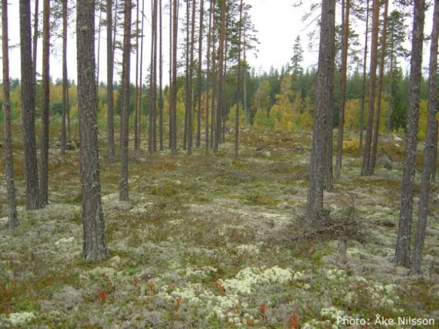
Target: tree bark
{"points": [[363, 89], [238, 89], [344, 62], [380, 90], [45, 115], [124, 196], [200, 62], [110, 102], [402, 252], [9, 163], [28, 109], [65, 81], [323, 113], [429, 150], [173, 111], [95, 244], [220, 103], [365, 167]]}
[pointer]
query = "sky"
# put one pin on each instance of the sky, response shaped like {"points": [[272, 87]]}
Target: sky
{"points": [[277, 26]]}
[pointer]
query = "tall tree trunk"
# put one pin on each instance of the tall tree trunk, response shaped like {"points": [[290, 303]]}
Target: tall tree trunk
{"points": [[98, 54], [191, 80], [173, 111], [35, 40], [28, 109], [110, 102], [402, 252], [200, 62], [7, 131], [344, 63], [161, 77], [238, 89], [95, 244], [65, 81], [208, 72], [125, 103], [186, 104], [139, 112], [45, 116], [152, 145], [390, 106], [323, 114], [380, 89], [244, 82], [363, 89], [136, 92], [429, 150], [220, 100], [365, 168]]}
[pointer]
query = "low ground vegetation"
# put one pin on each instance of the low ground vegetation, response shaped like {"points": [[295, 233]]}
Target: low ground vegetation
{"points": [[216, 241]]}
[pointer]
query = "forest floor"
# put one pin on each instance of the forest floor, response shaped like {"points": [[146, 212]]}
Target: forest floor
{"points": [[217, 242]]}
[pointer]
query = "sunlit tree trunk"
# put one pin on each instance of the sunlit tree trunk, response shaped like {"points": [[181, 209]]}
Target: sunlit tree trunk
{"points": [[95, 244], [402, 252], [208, 72], [161, 146], [7, 131], [173, 110]]}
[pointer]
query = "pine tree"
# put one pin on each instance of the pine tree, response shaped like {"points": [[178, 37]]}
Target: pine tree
{"points": [[124, 196], [402, 252], [28, 109], [323, 113], [12, 202], [429, 150], [95, 244]]}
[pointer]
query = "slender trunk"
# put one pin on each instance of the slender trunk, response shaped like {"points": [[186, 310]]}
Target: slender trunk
{"points": [[433, 175], [154, 86], [209, 40], [9, 163], [238, 91], [136, 92], [98, 56], [35, 40], [124, 196], [186, 104], [161, 78], [173, 127], [139, 112], [28, 109], [110, 102], [45, 116], [402, 252], [365, 168], [380, 89], [220, 103], [200, 62], [344, 62], [429, 150], [65, 82], [244, 82], [390, 107], [191, 75], [363, 89]]}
